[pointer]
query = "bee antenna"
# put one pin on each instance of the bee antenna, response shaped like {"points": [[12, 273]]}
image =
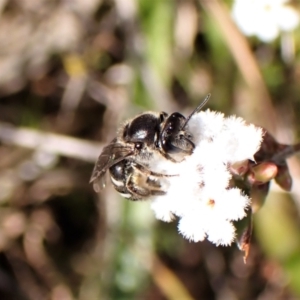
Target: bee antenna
{"points": [[196, 110]]}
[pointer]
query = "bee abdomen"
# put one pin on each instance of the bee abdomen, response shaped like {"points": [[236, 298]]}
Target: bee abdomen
{"points": [[135, 182], [116, 182], [118, 178]]}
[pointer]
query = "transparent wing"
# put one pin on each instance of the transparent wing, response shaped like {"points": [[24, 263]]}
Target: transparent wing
{"points": [[111, 154]]}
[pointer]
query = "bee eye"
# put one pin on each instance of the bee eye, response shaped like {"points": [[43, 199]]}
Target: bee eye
{"points": [[138, 145], [169, 129]]}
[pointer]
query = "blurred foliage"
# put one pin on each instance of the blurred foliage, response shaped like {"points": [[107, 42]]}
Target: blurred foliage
{"points": [[79, 67]]}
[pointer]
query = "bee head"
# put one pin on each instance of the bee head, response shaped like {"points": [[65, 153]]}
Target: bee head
{"points": [[176, 141]]}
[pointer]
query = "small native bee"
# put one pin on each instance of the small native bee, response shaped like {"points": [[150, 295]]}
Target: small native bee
{"points": [[140, 141]]}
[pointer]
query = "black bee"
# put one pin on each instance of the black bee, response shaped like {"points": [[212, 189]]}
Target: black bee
{"points": [[146, 138]]}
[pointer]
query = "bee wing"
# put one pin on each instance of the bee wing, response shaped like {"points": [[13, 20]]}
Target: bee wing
{"points": [[111, 154]]}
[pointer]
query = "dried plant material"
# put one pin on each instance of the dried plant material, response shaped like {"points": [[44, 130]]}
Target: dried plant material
{"points": [[244, 233]]}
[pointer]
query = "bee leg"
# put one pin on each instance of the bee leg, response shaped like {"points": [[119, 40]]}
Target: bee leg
{"points": [[149, 172], [167, 156], [143, 193], [142, 188], [157, 192], [153, 182]]}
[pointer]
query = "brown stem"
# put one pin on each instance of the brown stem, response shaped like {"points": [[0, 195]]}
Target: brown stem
{"points": [[288, 151]]}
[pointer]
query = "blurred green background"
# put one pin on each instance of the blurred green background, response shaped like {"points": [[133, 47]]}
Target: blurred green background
{"points": [[70, 72]]}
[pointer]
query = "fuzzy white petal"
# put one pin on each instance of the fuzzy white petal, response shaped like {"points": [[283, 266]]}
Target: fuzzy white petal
{"points": [[232, 205], [240, 140], [206, 125], [221, 233], [161, 210], [192, 229]]}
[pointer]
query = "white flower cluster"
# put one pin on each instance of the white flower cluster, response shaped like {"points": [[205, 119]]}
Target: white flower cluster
{"points": [[200, 195], [264, 18]]}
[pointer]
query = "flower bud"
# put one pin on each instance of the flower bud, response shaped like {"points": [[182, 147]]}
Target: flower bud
{"points": [[258, 195], [283, 178], [262, 173]]}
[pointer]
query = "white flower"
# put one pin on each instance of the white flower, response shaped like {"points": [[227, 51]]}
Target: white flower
{"points": [[264, 18], [200, 195]]}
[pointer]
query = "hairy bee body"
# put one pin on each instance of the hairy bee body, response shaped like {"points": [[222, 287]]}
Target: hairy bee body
{"points": [[134, 181], [140, 142]]}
